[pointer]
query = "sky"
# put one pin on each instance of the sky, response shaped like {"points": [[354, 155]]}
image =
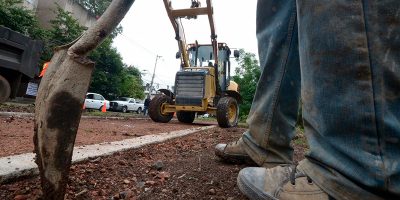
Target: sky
{"points": [[148, 32]]}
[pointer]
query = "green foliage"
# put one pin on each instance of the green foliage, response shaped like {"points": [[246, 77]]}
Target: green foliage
{"points": [[131, 83], [110, 77], [64, 28], [20, 19], [95, 7], [247, 75], [108, 66]]}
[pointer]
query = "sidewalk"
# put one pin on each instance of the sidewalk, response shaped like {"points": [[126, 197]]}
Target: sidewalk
{"points": [[24, 165]]}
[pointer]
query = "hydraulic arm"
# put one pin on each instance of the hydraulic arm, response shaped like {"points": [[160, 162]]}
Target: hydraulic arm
{"points": [[175, 16]]}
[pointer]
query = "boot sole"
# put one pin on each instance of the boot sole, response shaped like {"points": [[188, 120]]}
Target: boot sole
{"points": [[237, 159], [251, 192]]}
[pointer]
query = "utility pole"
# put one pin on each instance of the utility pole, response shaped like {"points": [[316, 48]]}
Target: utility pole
{"points": [[154, 74]]}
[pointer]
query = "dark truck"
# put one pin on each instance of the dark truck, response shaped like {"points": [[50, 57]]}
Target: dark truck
{"points": [[19, 57]]}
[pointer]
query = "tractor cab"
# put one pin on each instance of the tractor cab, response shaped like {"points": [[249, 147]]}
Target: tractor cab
{"points": [[201, 56]]}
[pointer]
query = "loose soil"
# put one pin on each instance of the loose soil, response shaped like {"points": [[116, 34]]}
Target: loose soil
{"points": [[16, 133], [182, 168]]}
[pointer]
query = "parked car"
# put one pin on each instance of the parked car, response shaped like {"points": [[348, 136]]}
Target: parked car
{"points": [[126, 104], [95, 101]]}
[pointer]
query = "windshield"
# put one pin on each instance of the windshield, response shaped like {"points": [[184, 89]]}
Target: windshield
{"points": [[205, 56]]}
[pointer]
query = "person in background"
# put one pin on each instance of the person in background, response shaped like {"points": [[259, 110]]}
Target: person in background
{"points": [[146, 105], [342, 57], [44, 69]]}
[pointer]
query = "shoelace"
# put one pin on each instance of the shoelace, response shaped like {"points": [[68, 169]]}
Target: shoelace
{"points": [[293, 176]]}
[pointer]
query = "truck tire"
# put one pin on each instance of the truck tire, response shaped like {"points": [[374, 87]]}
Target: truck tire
{"points": [[155, 111], [5, 89], [186, 116], [139, 110], [124, 109], [227, 112]]}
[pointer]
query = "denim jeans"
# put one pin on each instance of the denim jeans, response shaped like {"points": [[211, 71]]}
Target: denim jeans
{"points": [[343, 58]]}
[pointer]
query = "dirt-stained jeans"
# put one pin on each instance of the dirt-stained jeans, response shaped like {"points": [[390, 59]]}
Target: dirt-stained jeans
{"points": [[343, 58]]}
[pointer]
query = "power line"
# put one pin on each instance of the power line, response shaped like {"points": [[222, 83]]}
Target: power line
{"points": [[134, 43], [141, 46]]}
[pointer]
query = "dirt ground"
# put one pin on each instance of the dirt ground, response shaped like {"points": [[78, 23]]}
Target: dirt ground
{"points": [[182, 168], [16, 132], [17, 107]]}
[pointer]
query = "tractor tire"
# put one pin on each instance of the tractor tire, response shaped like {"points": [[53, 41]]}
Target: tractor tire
{"points": [[186, 116], [227, 112], [155, 111], [5, 89]]}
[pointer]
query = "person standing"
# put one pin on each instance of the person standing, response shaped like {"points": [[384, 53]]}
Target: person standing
{"points": [[343, 58], [146, 105]]}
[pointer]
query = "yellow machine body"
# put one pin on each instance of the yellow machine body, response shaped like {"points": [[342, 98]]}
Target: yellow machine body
{"points": [[203, 84]]}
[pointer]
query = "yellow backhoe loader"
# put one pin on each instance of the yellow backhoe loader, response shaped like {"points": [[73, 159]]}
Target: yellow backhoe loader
{"points": [[203, 83]]}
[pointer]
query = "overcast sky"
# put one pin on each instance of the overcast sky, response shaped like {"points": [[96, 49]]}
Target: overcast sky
{"points": [[148, 32]]}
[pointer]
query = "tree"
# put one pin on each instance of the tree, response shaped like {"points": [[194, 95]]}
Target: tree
{"points": [[109, 65], [108, 77], [132, 83], [60, 99], [20, 19], [97, 8], [64, 29], [111, 77], [247, 75]]}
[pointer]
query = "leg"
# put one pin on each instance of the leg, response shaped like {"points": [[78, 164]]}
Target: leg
{"points": [[350, 67], [350, 75], [273, 114]]}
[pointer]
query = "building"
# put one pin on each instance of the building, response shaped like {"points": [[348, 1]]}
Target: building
{"points": [[30, 4], [45, 11]]}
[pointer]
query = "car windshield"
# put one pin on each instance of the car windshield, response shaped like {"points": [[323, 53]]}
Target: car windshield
{"points": [[123, 99]]}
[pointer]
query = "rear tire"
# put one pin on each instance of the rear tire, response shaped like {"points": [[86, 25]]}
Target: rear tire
{"points": [[139, 110], [155, 110], [5, 89], [186, 116], [227, 112]]}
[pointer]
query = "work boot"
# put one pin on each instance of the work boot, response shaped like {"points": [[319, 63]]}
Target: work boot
{"points": [[281, 182], [232, 152]]}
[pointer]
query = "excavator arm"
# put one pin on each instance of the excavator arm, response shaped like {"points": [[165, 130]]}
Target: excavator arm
{"points": [[175, 16]]}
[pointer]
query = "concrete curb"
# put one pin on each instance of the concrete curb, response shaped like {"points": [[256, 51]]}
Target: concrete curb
{"points": [[16, 114], [21, 114], [13, 167]]}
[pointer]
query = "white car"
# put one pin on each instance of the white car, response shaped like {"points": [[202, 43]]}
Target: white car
{"points": [[95, 101], [126, 104]]}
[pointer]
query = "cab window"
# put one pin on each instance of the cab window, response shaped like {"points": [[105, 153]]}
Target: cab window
{"points": [[90, 96], [98, 97]]}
